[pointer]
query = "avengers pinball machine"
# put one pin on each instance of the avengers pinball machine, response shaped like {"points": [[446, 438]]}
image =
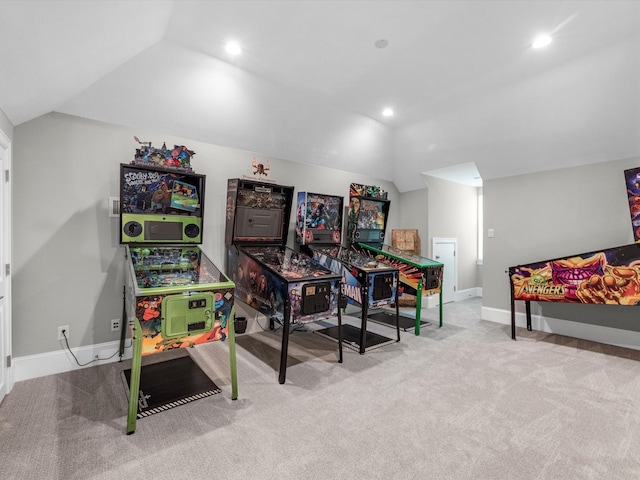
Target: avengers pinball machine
{"points": [[608, 277], [366, 282], [175, 297], [284, 285]]}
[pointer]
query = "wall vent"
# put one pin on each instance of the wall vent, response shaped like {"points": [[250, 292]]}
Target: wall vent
{"points": [[114, 206]]}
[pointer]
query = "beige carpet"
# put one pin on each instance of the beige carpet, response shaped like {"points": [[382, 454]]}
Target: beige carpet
{"points": [[461, 402]]}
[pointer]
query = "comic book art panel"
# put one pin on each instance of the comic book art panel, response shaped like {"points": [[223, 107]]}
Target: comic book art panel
{"points": [[319, 218], [367, 220], [632, 178], [155, 191], [367, 214]]}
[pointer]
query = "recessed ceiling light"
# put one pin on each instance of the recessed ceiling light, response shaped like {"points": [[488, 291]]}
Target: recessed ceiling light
{"points": [[387, 112], [382, 43], [541, 41], [233, 48]]}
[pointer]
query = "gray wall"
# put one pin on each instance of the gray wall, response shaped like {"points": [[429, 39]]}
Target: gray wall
{"points": [[453, 213], [68, 264], [445, 210], [415, 215], [554, 214]]}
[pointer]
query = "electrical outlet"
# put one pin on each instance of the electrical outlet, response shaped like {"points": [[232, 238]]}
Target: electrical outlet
{"points": [[65, 329], [115, 324]]}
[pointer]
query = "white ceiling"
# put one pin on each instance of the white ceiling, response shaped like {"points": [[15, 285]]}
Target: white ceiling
{"points": [[467, 89]]}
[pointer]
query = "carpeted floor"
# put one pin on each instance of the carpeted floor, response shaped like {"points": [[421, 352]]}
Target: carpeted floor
{"points": [[461, 402]]}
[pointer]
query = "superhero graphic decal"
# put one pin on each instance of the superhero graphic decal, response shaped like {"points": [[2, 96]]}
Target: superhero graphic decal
{"points": [[632, 178], [610, 276]]}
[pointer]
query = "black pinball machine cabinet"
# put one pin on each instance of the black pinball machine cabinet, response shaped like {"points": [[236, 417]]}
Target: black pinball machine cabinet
{"points": [[283, 284]]}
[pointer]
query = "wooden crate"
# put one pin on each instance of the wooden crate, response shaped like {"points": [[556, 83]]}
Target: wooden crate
{"points": [[407, 300], [409, 241]]}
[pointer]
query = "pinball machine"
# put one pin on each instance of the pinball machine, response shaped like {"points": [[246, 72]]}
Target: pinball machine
{"points": [[174, 295], [609, 276], [366, 282], [419, 276], [281, 283]]}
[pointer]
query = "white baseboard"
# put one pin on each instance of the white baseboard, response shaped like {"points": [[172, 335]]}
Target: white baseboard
{"points": [[434, 300], [50, 363], [584, 331]]}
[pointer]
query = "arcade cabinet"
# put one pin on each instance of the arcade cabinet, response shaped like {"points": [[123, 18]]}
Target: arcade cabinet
{"points": [[175, 297], [419, 276], [610, 276], [285, 285], [365, 281]]}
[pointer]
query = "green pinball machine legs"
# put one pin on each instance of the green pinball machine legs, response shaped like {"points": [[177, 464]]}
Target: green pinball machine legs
{"points": [[441, 306], [418, 306], [136, 368], [134, 387]]}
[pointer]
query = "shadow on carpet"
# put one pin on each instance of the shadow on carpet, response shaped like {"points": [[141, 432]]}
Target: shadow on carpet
{"points": [[304, 345]]}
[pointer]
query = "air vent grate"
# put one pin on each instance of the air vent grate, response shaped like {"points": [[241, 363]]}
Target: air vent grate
{"points": [[114, 206]]}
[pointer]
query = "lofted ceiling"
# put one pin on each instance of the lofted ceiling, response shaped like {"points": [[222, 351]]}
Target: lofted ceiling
{"points": [[470, 95]]}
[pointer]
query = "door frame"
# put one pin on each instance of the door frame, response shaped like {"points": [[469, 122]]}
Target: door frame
{"points": [[5, 260], [454, 267]]}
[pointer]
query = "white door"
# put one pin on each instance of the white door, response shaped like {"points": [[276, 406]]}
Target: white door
{"points": [[5, 256], [444, 251]]}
